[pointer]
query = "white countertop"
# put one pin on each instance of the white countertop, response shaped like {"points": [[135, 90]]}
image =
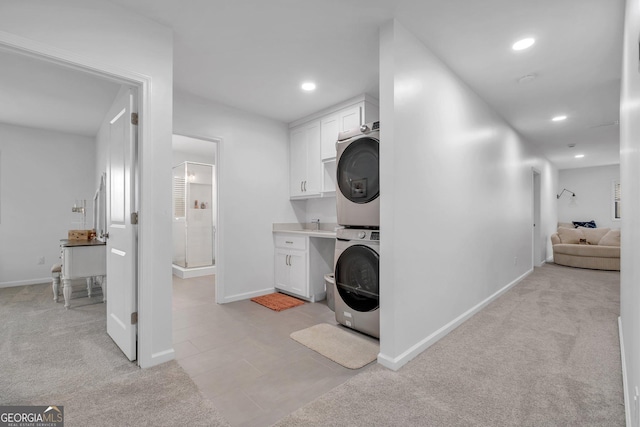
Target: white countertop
{"points": [[326, 231]]}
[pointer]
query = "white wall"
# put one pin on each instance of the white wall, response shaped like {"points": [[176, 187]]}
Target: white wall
{"points": [[630, 235], [323, 209], [594, 195], [103, 36], [456, 199], [181, 157], [253, 173], [42, 173]]}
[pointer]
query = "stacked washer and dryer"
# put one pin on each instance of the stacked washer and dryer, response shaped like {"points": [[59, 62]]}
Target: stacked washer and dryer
{"points": [[357, 259]]}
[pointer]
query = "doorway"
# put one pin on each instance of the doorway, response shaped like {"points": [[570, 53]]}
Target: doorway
{"points": [[139, 86], [194, 206], [537, 257]]}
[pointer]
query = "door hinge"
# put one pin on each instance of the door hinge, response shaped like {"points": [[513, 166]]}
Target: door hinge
{"points": [[134, 119], [134, 217], [134, 318]]}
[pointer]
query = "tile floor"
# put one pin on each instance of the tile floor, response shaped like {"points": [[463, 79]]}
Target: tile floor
{"points": [[241, 357]]}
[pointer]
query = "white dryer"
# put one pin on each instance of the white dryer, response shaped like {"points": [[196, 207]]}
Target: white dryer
{"points": [[356, 298], [358, 177]]}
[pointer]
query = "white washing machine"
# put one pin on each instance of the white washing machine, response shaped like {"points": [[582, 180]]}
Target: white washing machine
{"points": [[356, 299], [358, 177]]}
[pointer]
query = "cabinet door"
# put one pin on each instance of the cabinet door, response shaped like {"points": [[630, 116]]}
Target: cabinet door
{"points": [[282, 269], [350, 118], [329, 129], [297, 161], [298, 283], [312, 182]]}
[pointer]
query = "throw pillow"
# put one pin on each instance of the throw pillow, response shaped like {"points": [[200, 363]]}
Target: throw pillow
{"points": [[612, 238], [593, 235], [585, 224], [570, 235]]}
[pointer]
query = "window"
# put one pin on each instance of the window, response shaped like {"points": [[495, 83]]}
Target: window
{"points": [[616, 200]]}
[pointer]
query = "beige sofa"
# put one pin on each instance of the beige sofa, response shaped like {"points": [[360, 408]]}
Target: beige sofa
{"points": [[595, 248]]}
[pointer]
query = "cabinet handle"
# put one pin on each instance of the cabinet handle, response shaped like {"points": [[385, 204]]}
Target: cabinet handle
{"points": [[289, 260], [301, 190], [289, 242], [305, 186]]}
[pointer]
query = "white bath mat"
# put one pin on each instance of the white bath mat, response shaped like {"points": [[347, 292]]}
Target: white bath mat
{"points": [[349, 349]]}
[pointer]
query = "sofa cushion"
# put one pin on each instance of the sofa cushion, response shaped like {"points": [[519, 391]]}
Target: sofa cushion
{"points": [[586, 224], [612, 238], [597, 251], [593, 235], [570, 235]]}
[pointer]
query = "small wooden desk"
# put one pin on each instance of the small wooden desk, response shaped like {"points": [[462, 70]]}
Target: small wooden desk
{"points": [[80, 259]]}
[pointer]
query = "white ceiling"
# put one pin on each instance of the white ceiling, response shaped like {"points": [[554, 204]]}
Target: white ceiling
{"points": [[44, 95], [253, 54]]}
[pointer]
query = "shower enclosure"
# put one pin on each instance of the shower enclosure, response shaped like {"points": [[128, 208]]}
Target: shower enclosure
{"points": [[193, 215]]}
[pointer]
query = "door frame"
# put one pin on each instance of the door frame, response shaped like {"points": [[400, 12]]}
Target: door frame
{"points": [[536, 196], [23, 46], [219, 236]]}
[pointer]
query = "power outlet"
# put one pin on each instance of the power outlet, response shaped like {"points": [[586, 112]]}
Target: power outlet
{"points": [[41, 260]]}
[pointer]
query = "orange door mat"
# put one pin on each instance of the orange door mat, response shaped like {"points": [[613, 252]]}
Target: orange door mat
{"points": [[277, 301]]}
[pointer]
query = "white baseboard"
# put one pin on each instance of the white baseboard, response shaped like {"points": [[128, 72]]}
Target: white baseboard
{"points": [[395, 363], [248, 295], [25, 282], [188, 273], [625, 381]]}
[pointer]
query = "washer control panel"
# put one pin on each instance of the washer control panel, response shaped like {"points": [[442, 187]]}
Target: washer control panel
{"points": [[357, 234]]}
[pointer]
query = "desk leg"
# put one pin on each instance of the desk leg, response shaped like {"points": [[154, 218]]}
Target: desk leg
{"points": [[103, 285], [56, 286], [89, 286], [66, 291]]}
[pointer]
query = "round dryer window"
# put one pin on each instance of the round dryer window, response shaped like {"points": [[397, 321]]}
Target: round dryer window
{"points": [[358, 170], [357, 278]]}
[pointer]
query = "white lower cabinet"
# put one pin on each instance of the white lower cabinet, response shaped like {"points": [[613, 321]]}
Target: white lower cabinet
{"points": [[301, 263]]}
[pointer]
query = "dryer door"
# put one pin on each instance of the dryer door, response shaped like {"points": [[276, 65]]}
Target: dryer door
{"points": [[358, 170], [356, 278]]}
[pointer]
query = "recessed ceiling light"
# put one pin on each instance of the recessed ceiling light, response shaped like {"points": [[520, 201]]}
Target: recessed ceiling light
{"points": [[308, 86], [579, 156], [523, 44], [559, 118]]}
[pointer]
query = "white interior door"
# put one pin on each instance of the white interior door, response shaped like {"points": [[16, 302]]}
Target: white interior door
{"points": [[121, 238]]}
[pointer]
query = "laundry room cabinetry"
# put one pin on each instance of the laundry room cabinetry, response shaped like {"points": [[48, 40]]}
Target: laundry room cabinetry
{"points": [[304, 168], [301, 263], [313, 145]]}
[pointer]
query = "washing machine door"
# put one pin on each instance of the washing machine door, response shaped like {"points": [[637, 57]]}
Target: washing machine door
{"points": [[356, 277], [358, 170]]}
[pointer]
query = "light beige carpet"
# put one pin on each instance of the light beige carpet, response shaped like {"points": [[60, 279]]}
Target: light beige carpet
{"points": [[49, 354], [349, 349], [546, 353]]}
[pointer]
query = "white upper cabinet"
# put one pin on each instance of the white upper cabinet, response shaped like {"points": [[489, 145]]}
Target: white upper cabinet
{"points": [[332, 125], [304, 167], [313, 145]]}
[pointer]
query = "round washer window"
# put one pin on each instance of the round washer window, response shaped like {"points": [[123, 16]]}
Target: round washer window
{"points": [[356, 277], [358, 171]]}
